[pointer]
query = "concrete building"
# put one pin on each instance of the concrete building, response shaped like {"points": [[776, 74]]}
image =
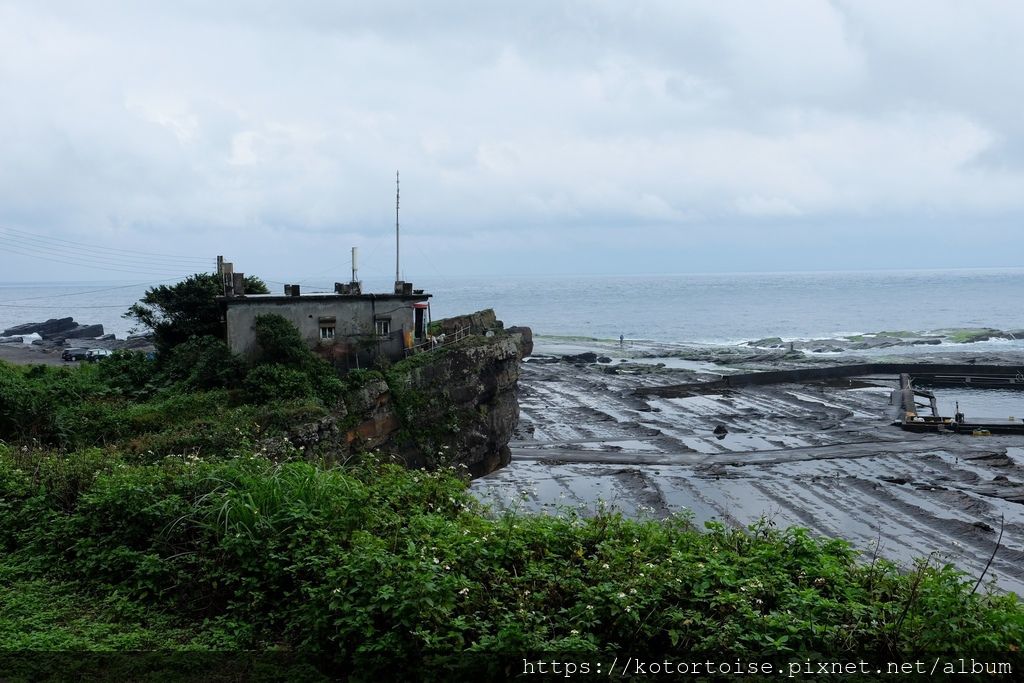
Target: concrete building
{"points": [[346, 326]]}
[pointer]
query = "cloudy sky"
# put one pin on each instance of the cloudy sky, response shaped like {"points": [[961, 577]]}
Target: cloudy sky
{"points": [[534, 137]]}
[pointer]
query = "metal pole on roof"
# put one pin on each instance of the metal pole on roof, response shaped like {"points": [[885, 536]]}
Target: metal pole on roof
{"points": [[397, 278]]}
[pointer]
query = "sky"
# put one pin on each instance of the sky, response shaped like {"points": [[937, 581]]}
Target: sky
{"points": [[533, 138]]}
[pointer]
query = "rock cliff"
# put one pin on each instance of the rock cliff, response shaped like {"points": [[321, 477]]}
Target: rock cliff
{"points": [[455, 405]]}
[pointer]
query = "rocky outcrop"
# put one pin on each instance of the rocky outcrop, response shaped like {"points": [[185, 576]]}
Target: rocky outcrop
{"points": [[480, 322], [454, 406], [78, 332], [460, 408], [525, 339], [56, 330], [53, 326]]}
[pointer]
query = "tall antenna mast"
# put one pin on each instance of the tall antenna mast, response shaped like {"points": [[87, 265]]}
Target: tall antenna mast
{"points": [[397, 194]]}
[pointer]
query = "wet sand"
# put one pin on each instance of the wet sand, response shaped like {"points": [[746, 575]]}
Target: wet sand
{"points": [[820, 455]]}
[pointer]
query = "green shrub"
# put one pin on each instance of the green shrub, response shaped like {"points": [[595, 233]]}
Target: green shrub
{"points": [[279, 341], [202, 363], [274, 381], [129, 374], [379, 569]]}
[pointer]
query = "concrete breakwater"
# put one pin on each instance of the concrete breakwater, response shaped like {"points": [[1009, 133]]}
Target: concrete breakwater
{"points": [[952, 374]]}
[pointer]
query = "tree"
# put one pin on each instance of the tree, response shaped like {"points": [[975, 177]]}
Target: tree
{"points": [[175, 313]]}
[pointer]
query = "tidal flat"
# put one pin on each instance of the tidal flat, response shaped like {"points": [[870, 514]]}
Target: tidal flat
{"points": [[821, 455]]}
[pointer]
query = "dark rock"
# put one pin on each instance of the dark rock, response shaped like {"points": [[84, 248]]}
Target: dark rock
{"points": [[51, 326], [588, 357], [767, 343], [477, 323], [720, 429], [460, 409], [604, 359], [11, 340], [930, 341], [108, 337], [81, 332], [525, 339], [138, 341]]}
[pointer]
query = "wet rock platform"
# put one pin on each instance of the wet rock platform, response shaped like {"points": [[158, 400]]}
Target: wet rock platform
{"points": [[820, 454]]}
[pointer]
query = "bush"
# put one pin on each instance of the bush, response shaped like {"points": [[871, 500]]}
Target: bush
{"points": [[380, 570], [202, 363], [280, 346], [275, 381], [129, 374]]}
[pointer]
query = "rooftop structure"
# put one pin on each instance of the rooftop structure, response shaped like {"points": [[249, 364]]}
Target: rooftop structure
{"points": [[346, 326]]}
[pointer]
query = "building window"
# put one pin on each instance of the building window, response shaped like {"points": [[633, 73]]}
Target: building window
{"points": [[327, 331], [383, 328]]}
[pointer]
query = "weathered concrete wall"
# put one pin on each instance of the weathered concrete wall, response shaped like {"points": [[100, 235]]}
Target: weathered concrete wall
{"points": [[354, 319]]}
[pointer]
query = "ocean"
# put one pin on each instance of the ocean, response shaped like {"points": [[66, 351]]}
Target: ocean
{"points": [[713, 309]]}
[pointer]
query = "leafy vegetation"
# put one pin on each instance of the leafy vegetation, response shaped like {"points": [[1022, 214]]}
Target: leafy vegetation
{"points": [[140, 510], [175, 313], [378, 570], [196, 397]]}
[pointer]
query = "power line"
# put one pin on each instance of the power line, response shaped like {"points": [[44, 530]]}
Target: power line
{"points": [[93, 291], [82, 256], [114, 249], [92, 265], [64, 308]]}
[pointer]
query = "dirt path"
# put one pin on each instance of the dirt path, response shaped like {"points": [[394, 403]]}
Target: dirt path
{"points": [[818, 455]]}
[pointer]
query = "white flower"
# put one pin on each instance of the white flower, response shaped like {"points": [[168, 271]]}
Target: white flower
{"points": [[621, 596], [604, 566], [464, 591], [574, 632]]}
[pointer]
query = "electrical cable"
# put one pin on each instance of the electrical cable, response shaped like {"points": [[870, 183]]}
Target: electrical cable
{"points": [[81, 256], [93, 265], [115, 249], [91, 291], [64, 308]]}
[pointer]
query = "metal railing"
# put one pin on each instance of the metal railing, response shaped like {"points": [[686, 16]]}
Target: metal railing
{"points": [[432, 343]]}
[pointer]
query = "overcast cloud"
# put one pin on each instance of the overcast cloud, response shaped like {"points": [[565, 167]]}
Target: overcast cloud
{"points": [[532, 137]]}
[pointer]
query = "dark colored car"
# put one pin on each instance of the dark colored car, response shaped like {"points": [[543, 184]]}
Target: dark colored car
{"points": [[93, 355], [74, 353]]}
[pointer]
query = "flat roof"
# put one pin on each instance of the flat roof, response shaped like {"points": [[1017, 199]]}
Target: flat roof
{"points": [[320, 296]]}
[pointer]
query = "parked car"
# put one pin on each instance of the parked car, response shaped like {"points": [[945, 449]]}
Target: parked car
{"points": [[93, 355], [74, 353]]}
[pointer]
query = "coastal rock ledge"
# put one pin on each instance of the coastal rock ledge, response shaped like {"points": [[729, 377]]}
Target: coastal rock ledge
{"points": [[453, 406]]}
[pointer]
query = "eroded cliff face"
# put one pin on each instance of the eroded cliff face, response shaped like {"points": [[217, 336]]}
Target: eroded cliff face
{"points": [[455, 405]]}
